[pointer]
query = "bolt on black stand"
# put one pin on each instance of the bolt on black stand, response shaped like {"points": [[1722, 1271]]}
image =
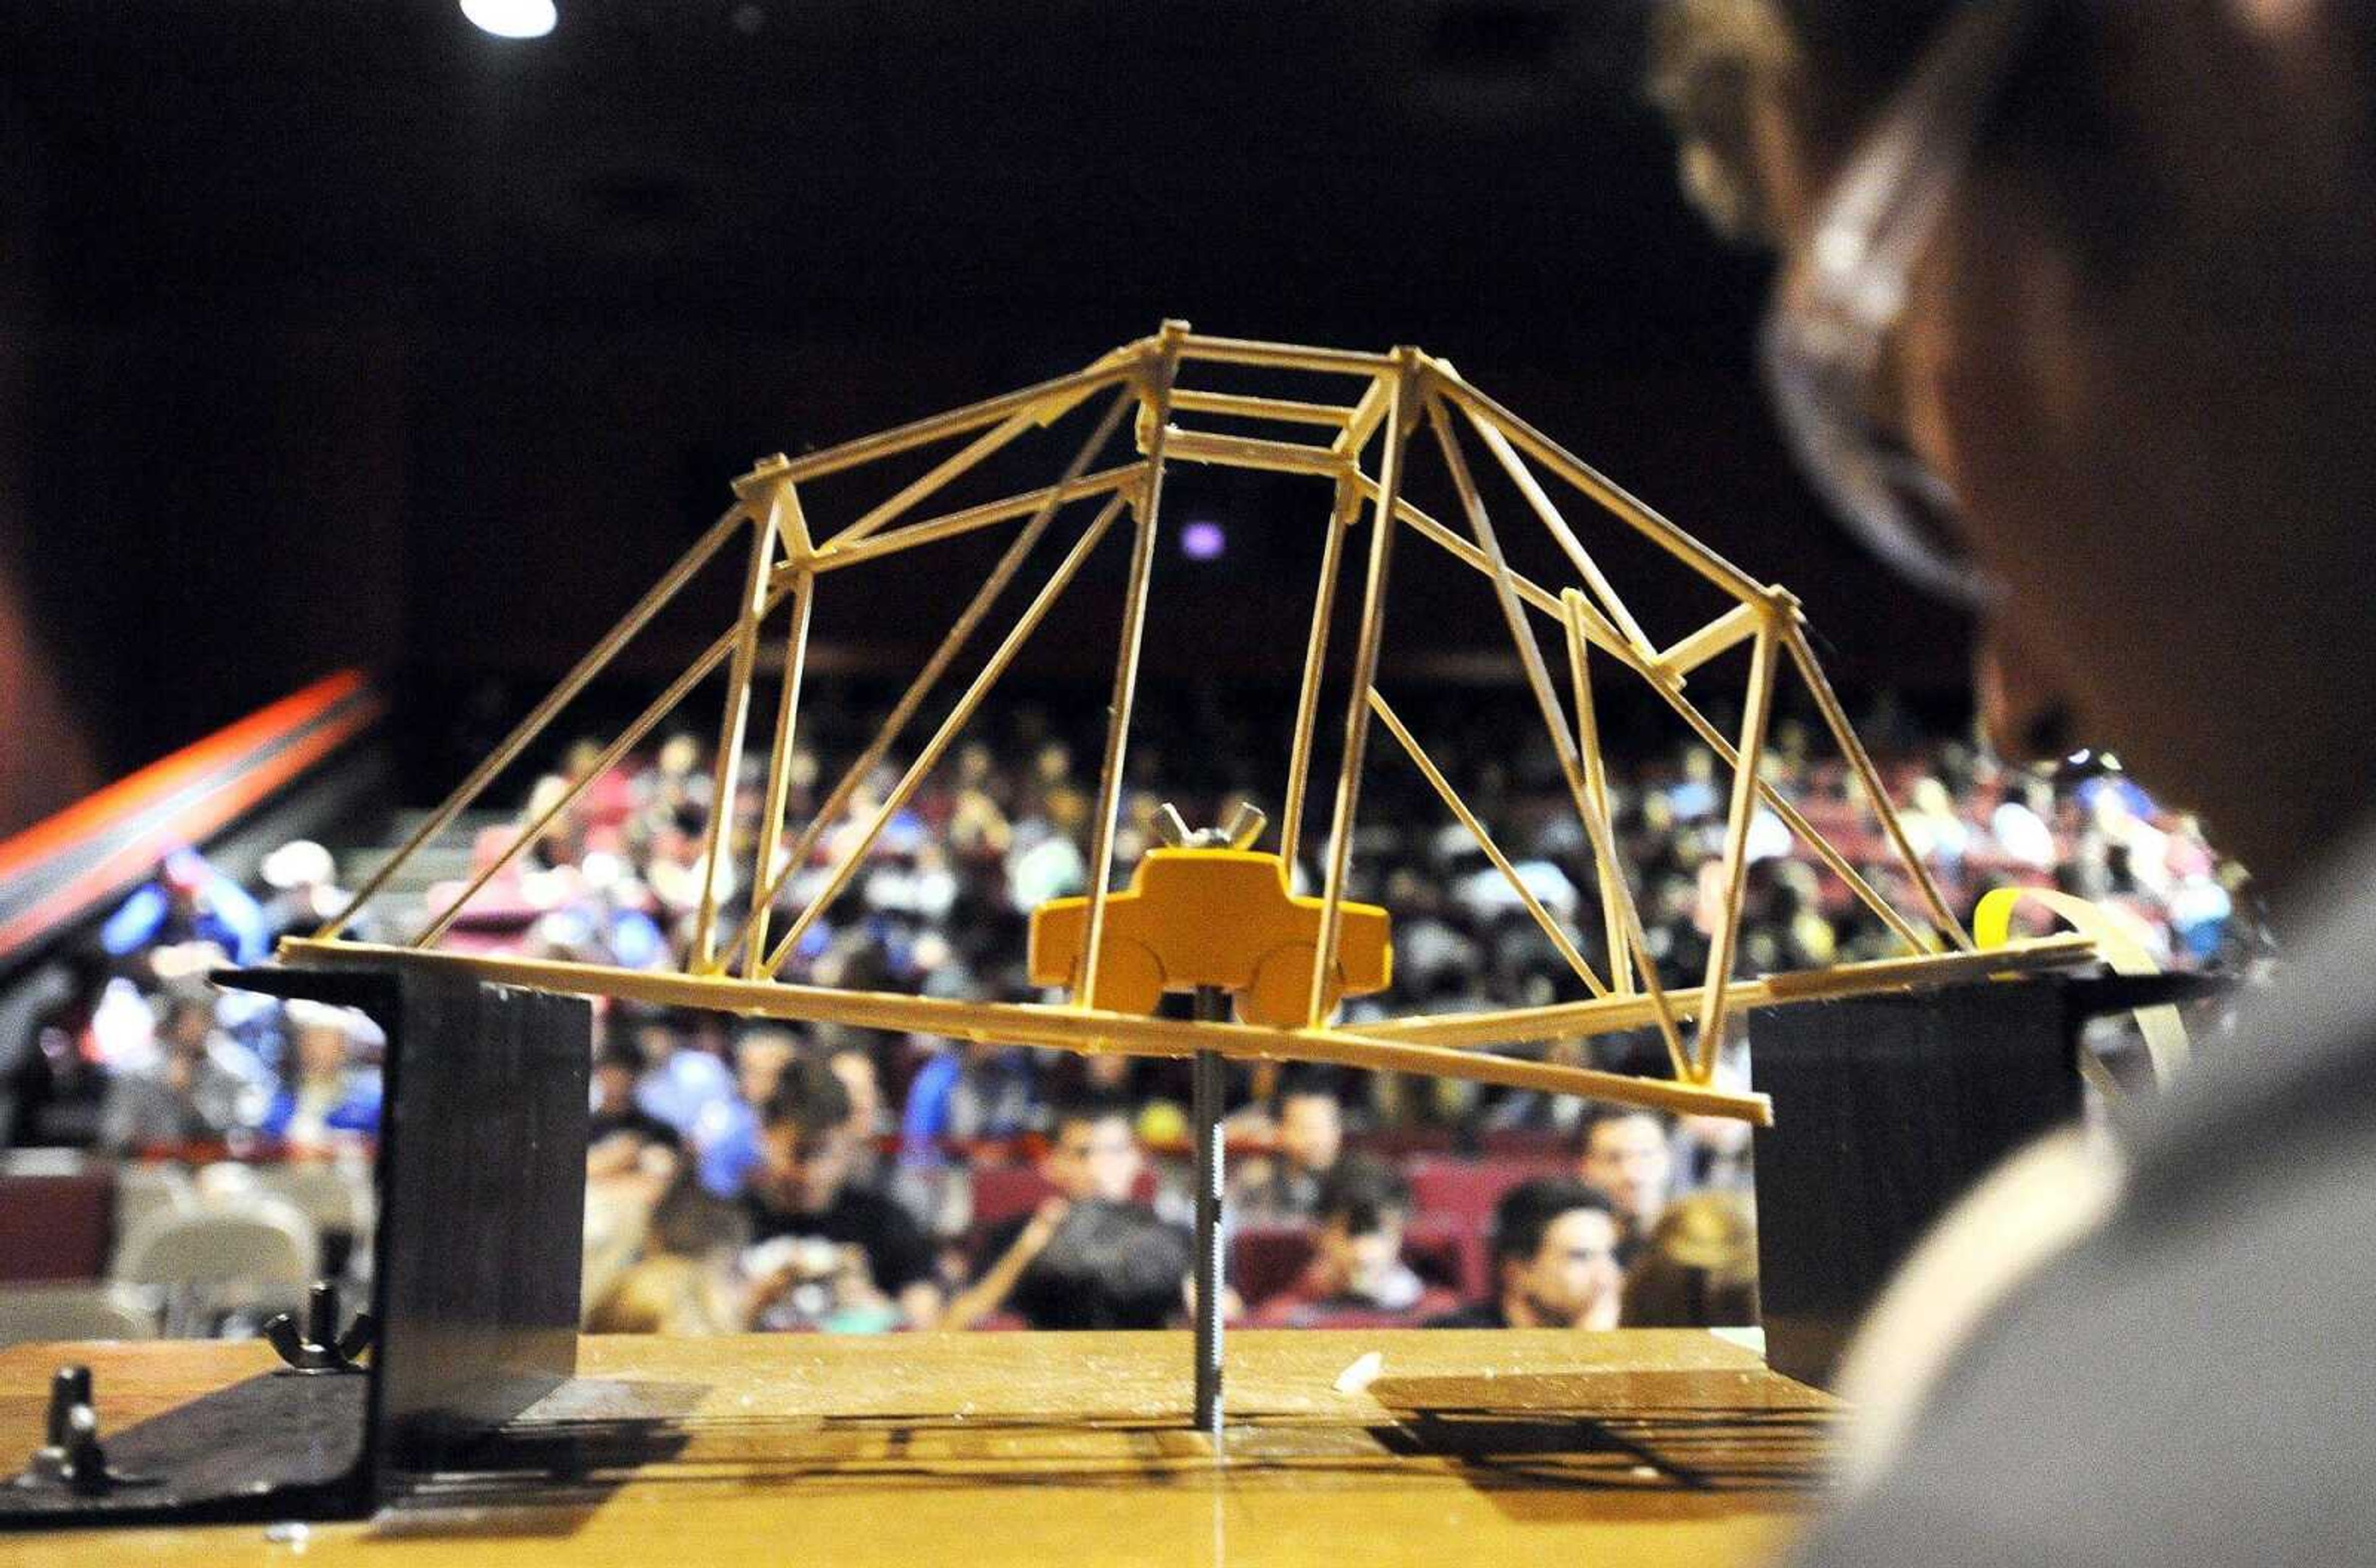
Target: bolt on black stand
{"points": [[1208, 1087]]}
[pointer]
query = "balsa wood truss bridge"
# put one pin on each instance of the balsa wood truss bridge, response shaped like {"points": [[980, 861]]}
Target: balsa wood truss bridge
{"points": [[1402, 405]]}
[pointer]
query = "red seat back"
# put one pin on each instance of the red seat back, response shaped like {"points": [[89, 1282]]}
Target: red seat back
{"points": [[1394, 1144], [1448, 1253], [1528, 1143], [1001, 1192], [1267, 1259], [55, 1228], [1464, 1191]]}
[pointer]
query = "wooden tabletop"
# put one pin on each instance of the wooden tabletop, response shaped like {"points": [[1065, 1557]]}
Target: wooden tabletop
{"points": [[1642, 1447]]}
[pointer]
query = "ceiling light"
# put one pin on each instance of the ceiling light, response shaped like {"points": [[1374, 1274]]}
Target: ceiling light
{"points": [[512, 18]]}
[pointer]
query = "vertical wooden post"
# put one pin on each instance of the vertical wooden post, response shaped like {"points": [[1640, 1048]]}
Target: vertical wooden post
{"points": [[791, 526], [1359, 425], [1365, 675], [1595, 782], [1725, 939], [1156, 411], [1315, 662], [726, 770]]}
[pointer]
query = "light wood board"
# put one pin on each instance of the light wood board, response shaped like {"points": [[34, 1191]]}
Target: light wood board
{"points": [[1639, 1446]]}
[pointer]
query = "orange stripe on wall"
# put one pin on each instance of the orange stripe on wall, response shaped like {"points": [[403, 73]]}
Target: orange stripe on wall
{"points": [[129, 796], [202, 817]]}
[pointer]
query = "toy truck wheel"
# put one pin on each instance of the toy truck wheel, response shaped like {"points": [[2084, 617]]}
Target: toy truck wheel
{"points": [[1130, 980], [1282, 989]]}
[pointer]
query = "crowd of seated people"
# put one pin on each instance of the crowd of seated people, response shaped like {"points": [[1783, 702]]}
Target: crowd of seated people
{"points": [[1553, 1251], [1052, 1190], [129, 1048], [151, 1116], [771, 1176], [1092, 1253], [1357, 1271], [937, 905]]}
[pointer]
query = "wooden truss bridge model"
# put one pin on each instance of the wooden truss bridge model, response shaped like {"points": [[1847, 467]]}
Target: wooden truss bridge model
{"points": [[1401, 403]]}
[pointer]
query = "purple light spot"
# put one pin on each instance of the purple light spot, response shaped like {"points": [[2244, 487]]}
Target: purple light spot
{"points": [[1203, 541]]}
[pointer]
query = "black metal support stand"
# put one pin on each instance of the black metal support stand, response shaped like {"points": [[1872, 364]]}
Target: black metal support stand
{"points": [[482, 1187], [1888, 1109], [1206, 1094]]}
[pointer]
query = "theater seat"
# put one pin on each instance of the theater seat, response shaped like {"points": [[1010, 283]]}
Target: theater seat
{"points": [[32, 1313], [55, 1226], [1267, 1259], [260, 1259], [1449, 1253], [1001, 1192], [145, 1194], [1465, 1191], [1528, 1143], [1394, 1144]]}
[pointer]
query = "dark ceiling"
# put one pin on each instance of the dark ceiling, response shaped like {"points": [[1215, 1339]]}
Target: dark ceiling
{"points": [[1306, 164], [376, 299]]}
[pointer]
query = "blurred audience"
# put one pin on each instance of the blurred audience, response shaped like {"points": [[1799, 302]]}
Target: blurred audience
{"points": [[822, 1178], [726, 1134], [302, 892], [188, 901], [1307, 1127], [1356, 1270], [1698, 1267], [329, 1090], [1553, 1250], [1628, 1157], [618, 1130], [1090, 1256], [203, 1088], [829, 1253], [687, 1279]]}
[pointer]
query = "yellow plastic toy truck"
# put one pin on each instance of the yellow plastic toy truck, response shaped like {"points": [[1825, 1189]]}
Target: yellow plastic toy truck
{"points": [[1197, 917]]}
